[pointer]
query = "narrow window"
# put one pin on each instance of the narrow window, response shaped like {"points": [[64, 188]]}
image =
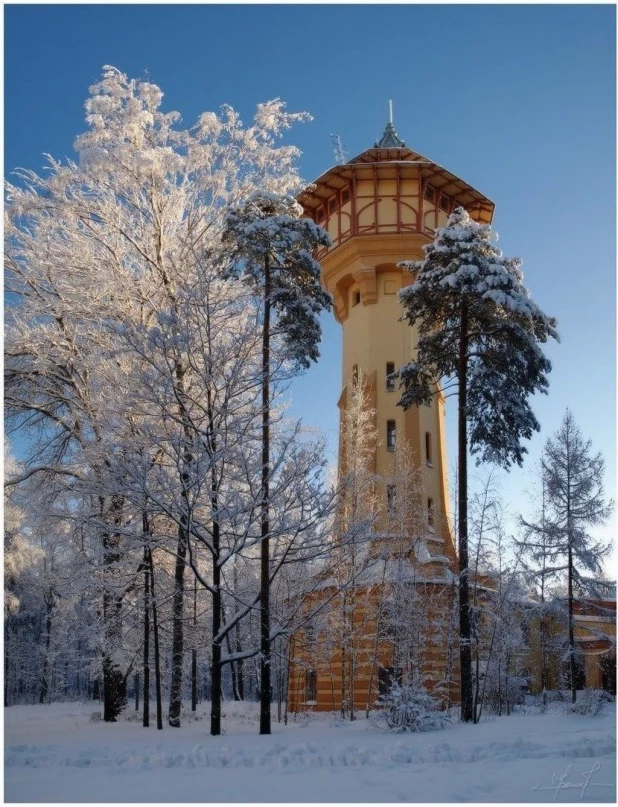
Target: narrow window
{"points": [[332, 205], [311, 686], [310, 632], [430, 520], [345, 196], [355, 297], [355, 375], [391, 496], [319, 216], [445, 203], [391, 435], [429, 193], [428, 457], [390, 376]]}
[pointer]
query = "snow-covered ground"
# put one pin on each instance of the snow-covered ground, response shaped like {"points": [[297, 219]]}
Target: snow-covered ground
{"points": [[56, 754]]}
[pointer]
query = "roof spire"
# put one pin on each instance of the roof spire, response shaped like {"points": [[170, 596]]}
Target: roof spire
{"points": [[389, 139]]}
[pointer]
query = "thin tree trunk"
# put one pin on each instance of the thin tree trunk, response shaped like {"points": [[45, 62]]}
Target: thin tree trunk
{"points": [[157, 655], [7, 655], [181, 554], [265, 526], [178, 626], [465, 658], [279, 687], [240, 663], [215, 703], [146, 652], [49, 606], [114, 684], [571, 632], [287, 688], [194, 651], [228, 643]]}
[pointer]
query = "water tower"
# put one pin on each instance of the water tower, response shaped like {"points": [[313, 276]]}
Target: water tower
{"points": [[381, 208]]}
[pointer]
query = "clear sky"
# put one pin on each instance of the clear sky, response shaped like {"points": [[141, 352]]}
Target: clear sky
{"points": [[517, 100]]}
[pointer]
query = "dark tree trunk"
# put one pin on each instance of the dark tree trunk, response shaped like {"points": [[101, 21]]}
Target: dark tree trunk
{"points": [[240, 663], [136, 690], [7, 651], [215, 703], [157, 655], [465, 656], [181, 554], [146, 712], [228, 643], [49, 607], [572, 665], [178, 627], [194, 680], [265, 526], [194, 651], [114, 684], [114, 691]]}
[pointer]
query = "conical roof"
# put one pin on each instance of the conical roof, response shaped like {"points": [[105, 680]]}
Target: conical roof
{"points": [[389, 139]]}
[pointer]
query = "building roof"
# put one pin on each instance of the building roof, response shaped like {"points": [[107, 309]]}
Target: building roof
{"points": [[390, 151]]}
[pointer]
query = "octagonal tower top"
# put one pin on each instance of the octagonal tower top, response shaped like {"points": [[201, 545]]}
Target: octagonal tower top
{"points": [[389, 189]]}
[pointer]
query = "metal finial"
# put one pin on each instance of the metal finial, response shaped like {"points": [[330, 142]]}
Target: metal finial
{"points": [[390, 139]]}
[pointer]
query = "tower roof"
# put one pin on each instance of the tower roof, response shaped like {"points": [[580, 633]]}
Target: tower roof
{"points": [[389, 139], [391, 158]]}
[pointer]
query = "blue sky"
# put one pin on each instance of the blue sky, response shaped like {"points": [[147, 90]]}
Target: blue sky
{"points": [[517, 100]]}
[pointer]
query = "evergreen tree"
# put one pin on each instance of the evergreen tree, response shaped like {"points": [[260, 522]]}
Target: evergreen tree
{"points": [[480, 332], [272, 247], [576, 499]]}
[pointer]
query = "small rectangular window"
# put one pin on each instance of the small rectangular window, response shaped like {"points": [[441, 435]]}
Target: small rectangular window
{"points": [[391, 500], [311, 686], [356, 297], [390, 377], [310, 632], [428, 457], [445, 203], [430, 518], [391, 435], [332, 205], [345, 196], [319, 215], [429, 192], [387, 621], [355, 375]]}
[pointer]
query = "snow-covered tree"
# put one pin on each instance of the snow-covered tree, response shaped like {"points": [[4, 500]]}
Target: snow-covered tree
{"points": [[576, 501], [272, 252], [543, 576], [478, 334], [108, 259]]}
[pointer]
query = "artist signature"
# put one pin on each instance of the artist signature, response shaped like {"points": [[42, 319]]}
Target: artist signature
{"points": [[561, 782]]}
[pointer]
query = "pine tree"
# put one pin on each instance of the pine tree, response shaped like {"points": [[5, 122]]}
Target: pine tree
{"points": [[576, 500], [272, 248], [479, 331]]}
